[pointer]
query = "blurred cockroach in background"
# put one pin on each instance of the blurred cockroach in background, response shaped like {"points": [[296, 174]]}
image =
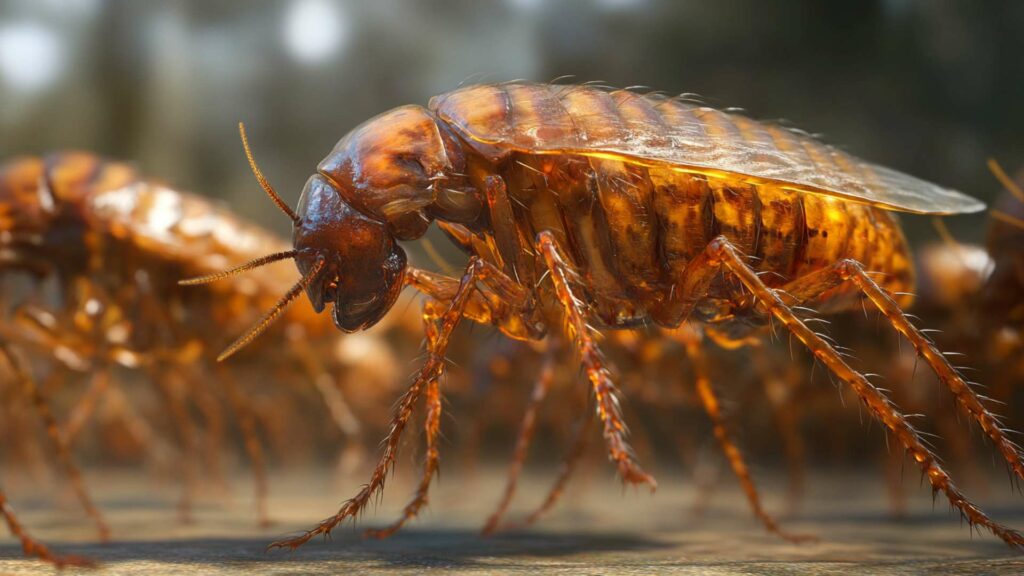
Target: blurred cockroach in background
{"points": [[91, 255], [586, 209]]}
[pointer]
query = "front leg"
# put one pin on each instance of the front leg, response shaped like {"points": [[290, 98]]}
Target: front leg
{"points": [[439, 330], [496, 300]]}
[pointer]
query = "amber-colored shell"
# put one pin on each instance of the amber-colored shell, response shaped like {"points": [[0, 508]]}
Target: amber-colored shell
{"points": [[591, 121]]}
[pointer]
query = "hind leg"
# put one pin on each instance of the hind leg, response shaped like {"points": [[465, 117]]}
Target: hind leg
{"points": [[721, 256], [849, 271]]}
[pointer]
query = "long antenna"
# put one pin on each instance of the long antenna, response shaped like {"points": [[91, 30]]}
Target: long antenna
{"points": [[1005, 180], [274, 312], [261, 261], [263, 181]]}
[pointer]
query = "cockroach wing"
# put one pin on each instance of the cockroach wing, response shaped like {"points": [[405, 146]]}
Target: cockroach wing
{"points": [[653, 130]]}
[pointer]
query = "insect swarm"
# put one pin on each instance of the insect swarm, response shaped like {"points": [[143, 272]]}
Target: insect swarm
{"points": [[114, 245], [585, 209]]}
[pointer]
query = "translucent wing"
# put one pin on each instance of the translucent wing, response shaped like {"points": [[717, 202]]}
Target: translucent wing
{"points": [[544, 118]]}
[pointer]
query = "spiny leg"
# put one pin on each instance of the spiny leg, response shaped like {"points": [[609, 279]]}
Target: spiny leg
{"points": [[432, 430], [243, 409], [526, 430], [42, 405], [721, 253], [712, 406], [808, 288], [432, 425], [614, 429], [32, 547], [431, 370]]}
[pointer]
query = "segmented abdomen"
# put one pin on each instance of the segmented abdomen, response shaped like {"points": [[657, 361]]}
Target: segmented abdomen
{"points": [[632, 229]]}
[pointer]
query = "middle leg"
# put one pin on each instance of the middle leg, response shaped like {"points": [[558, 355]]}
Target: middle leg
{"points": [[582, 335]]}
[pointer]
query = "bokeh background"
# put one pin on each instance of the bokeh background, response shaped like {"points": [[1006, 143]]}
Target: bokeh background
{"points": [[932, 88]]}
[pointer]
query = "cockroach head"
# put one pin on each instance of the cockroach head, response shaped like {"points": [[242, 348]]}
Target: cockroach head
{"points": [[344, 256], [362, 265]]}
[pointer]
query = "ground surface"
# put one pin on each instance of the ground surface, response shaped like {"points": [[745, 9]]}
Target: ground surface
{"points": [[600, 529]]}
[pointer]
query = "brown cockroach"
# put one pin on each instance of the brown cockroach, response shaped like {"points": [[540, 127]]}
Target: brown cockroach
{"points": [[115, 245], [585, 209]]}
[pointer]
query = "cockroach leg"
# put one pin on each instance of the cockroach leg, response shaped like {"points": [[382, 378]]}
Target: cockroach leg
{"points": [[432, 429], [156, 448], [779, 389], [173, 389], [431, 371], [213, 434], [582, 335], [572, 458], [506, 235], [53, 431], [243, 410], [32, 547], [86, 406], [334, 399], [526, 430], [721, 254], [969, 401], [692, 345]]}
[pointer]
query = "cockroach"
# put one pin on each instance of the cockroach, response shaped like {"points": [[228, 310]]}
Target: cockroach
{"points": [[585, 209], [114, 245]]}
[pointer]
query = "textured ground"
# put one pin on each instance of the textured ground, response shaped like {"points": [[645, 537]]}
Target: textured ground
{"points": [[602, 529]]}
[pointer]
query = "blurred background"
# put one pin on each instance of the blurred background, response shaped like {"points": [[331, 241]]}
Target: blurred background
{"points": [[931, 88]]}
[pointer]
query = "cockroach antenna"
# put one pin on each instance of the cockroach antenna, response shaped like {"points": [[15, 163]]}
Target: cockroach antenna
{"points": [[263, 181], [274, 312], [261, 261], [295, 290]]}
